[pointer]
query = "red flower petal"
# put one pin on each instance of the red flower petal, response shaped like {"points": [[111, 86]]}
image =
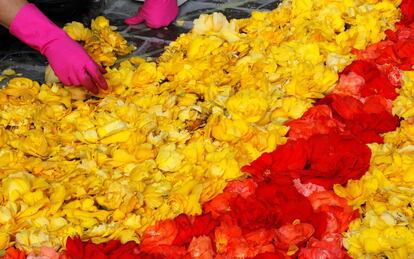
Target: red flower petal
{"points": [[111, 246], [275, 255], [260, 167], [74, 247], [407, 9], [329, 247], [163, 233], [290, 157], [317, 120], [289, 235]]}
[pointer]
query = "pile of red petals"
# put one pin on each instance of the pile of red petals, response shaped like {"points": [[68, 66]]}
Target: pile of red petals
{"points": [[75, 248]]}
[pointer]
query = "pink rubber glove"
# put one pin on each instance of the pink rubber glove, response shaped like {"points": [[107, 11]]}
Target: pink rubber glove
{"points": [[155, 13], [70, 62]]}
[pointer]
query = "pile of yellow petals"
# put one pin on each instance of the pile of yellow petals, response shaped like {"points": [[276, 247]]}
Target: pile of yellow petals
{"points": [[101, 41], [7, 73], [169, 135], [385, 195]]}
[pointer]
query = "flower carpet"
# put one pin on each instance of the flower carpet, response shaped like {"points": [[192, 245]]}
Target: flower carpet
{"points": [[285, 135]]}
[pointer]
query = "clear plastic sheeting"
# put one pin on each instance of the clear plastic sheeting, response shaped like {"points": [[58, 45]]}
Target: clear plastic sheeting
{"points": [[149, 42]]}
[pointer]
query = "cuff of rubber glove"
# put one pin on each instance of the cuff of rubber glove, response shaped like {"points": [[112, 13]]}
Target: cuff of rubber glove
{"points": [[32, 27]]}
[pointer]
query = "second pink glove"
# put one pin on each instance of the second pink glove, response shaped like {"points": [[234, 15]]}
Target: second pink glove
{"points": [[155, 13]]}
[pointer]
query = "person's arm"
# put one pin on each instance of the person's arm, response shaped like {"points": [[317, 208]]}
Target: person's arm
{"points": [[70, 62], [9, 9]]}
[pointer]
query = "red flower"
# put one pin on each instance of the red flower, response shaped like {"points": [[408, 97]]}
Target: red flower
{"points": [[407, 9], [260, 241], [317, 120], [381, 52], [289, 235], [111, 246], [129, 250], [253, 213], [202, 226], [367, 127], [376, 83], [275, 255], [377, 104], [261, 237], [335, 159], [396, 51], [184, 230], [349, 84], [166, 251], [404, 48], [201, 248], [232, 243], [93, 251], [260, 167], [243, 188], [320, 221], [345, 107], [225, 233], [322, 159], [162, 234], [334, 213], [404, 32], [74, 247], [219, 205], [290, 157], [13, 253], [366, 120], [284, 200], [330, 247], [388, 57]]}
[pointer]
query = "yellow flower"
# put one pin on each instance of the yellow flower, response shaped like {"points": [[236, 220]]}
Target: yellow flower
{"points": [[168, 159], [230, 130], [4, 240], [101, 41], [203, 46], [99, 23], [216, 24], [111, 128], [250, 105], [357, 191], [5, 215], [403, 104], [15, 187], [77, 31], [223, 165], [34, 143], [21, 90], [146, 73], [290, 108], [8, 72]]}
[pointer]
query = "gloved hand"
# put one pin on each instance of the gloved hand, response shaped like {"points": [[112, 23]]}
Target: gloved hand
{"points": [[70, 62], [155, 13]]}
